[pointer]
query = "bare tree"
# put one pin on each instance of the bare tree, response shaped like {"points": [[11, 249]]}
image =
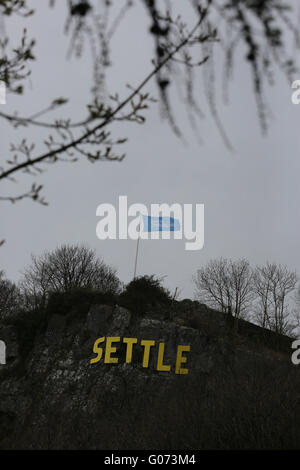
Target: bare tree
{"points": [[262, 289], [10, 297], [273, 285], [226, 285], [296, 312], [66, 268]]}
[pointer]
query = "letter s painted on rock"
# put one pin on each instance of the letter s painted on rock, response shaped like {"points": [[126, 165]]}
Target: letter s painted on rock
{"points": [[97, 350]]}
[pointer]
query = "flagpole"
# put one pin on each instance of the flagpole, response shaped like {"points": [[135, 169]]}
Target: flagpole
{"points": [[137, 250]]}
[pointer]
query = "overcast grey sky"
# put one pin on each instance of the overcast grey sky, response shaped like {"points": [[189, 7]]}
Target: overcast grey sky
{"points": [[251, 195]]}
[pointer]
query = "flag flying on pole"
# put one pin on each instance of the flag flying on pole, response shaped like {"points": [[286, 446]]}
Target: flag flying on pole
{"points": [[160, 224]]}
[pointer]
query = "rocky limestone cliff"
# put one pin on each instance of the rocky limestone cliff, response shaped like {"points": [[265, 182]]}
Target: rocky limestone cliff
{"points": [[52, 397]]}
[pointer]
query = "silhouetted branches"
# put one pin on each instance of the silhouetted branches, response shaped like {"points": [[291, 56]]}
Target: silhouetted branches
{"points": [[65, 144], [258, 28], [263, 294]]}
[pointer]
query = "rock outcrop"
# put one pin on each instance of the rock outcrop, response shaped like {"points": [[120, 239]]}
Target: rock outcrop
{"points": [[52, 397]]}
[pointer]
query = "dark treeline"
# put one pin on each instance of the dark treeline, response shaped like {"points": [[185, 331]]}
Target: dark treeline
{"points": [[268, 295]]}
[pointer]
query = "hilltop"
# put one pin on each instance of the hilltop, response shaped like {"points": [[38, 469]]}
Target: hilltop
{"points": [[52, 397]]}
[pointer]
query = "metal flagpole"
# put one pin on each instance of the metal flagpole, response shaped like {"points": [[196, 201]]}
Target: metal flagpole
{"points": [[137, 249]]}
